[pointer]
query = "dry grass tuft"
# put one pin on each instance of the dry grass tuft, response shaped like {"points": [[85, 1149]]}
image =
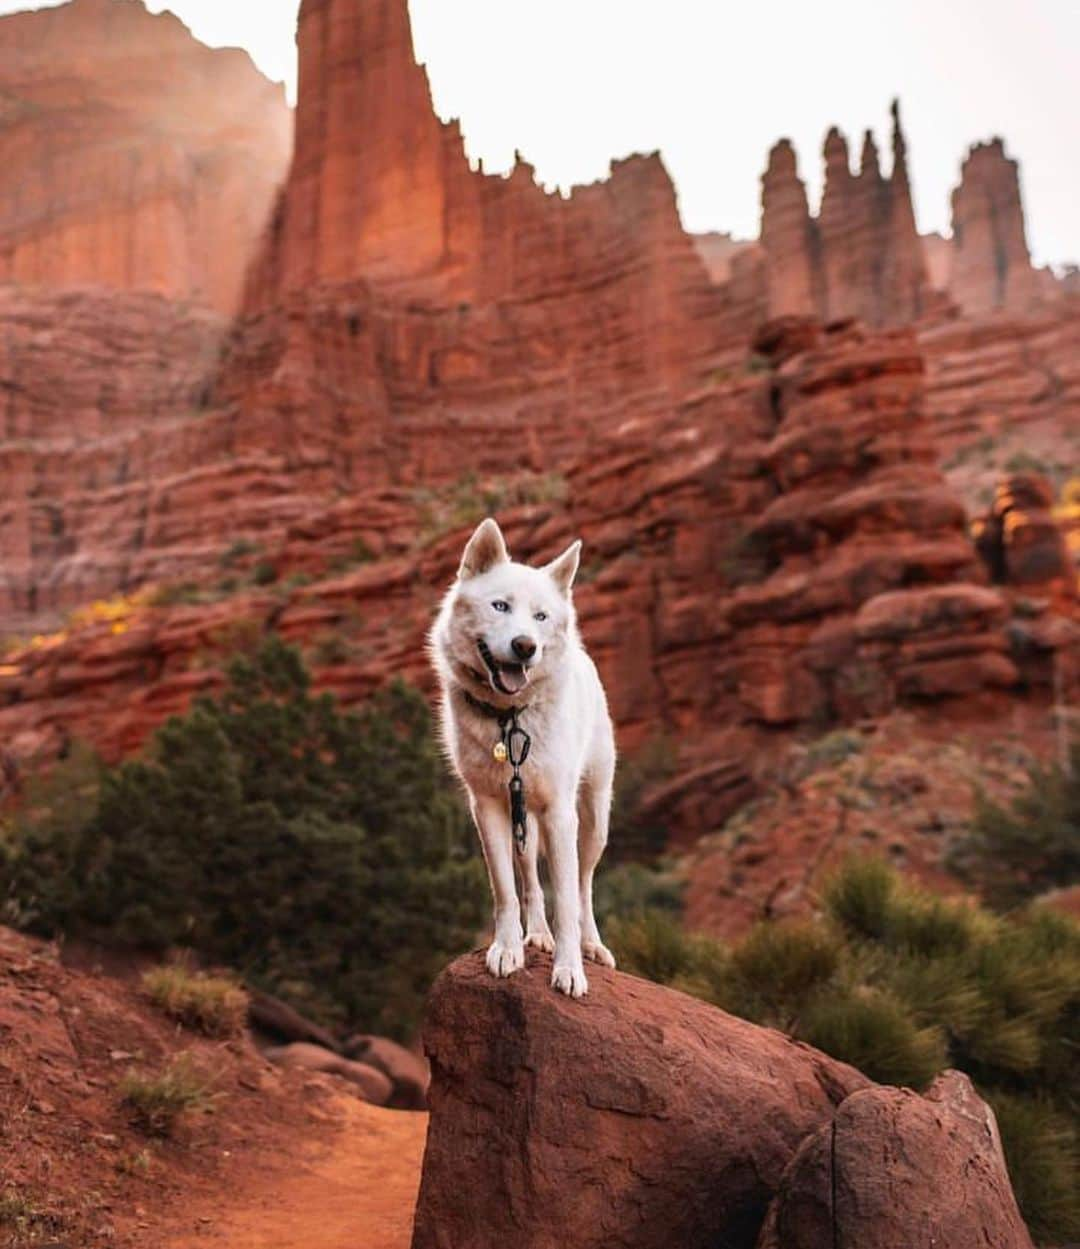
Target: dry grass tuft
{"points": [[157, 1102], [213, 1005]]}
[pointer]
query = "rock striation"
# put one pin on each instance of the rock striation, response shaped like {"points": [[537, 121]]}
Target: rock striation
{"points": [[105, 400], [861, 256], [991, 268], [132, 156]]}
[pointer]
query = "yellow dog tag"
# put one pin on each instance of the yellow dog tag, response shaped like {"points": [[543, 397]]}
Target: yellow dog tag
{"points": [[498, 752]]}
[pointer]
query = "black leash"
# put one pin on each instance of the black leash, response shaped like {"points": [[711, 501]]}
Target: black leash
{"points": [[513, 748]]}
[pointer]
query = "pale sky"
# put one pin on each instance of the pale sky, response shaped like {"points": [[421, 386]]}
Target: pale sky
{"points": [[713, 83]]}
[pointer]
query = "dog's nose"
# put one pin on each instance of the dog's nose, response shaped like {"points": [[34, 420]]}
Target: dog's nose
{"points": [[523, 647]]}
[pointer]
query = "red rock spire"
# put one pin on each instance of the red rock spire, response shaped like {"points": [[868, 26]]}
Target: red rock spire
{"points": [[904, 280], [869, 164], [366, 194], [991, 266], [786, 235]]}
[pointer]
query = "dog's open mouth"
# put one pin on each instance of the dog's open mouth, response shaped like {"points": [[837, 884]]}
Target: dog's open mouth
{"points": [[507, 678]]}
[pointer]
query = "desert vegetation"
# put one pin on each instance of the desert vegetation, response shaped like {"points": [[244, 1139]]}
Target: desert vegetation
{"points": [[213, 1005], [322, 856], [158, 1100]]}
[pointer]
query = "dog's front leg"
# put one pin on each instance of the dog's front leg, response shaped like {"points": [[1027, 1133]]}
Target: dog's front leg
{"points": [[506, 953], [568, 974]]}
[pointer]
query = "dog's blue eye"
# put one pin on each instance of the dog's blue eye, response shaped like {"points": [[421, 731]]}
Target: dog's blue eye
{"points": [[540, 615], [501, 604]]}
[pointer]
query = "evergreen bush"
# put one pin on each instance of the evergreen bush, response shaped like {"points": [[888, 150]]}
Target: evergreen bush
{"points": [[325, 857]]}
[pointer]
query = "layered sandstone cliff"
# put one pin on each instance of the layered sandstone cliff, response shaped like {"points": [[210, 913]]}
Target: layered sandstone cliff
{"points": [[794, 556], [132, 156]]}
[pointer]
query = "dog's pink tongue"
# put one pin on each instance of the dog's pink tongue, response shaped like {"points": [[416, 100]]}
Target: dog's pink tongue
{"points": [[514, 678]]}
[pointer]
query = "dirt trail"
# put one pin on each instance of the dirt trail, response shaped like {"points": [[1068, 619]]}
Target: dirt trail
{"points": [[354, 1190]]}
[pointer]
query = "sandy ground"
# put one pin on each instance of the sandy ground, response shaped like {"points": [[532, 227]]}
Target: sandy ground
{"points": [[354, 1190]]}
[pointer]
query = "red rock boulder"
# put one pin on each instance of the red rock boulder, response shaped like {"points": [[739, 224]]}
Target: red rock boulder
{"points": [[371, 1084], [1019, 539], [636, 1117], [895, 1170], [407, 1072]]}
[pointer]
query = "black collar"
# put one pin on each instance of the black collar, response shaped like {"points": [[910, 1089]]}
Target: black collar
{"points": [[502, 714]]}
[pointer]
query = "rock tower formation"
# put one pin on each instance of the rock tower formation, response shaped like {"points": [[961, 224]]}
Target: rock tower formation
{"points": [[862, 256], [385, 196], [991, 266], [131, 156], [400, 294]]}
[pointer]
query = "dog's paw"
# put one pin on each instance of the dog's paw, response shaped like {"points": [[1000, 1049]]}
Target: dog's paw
{"points": [[541, 939], [597, 952], [569, 980], [504, 959]]}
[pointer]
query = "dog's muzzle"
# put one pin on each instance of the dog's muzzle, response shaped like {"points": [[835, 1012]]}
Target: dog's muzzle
{"points": [[507, 678]]}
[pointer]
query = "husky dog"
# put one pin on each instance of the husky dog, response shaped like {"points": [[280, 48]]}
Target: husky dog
{"points": [[505, 645]]}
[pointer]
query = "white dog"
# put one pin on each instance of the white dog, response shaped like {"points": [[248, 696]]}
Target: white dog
{"points": [[515, 676]]}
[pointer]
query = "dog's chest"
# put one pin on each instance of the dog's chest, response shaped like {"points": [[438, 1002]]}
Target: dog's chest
{"points": [[482, 759]]}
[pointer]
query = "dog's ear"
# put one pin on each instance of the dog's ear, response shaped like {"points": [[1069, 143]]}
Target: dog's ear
{"points": [[485, 549], [563, 569]]}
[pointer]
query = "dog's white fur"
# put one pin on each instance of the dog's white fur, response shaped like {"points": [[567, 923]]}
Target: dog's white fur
{"points": [[568, 774]]}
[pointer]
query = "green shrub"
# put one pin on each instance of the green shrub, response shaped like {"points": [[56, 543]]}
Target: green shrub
{"points": [[157, 1101], [214, 1005], [325, 857], [654, 944], [778, 967], [175, 594], [858, 898], [623, 890], [468, 500], [1016, 851], [43, 866], [1042, 1150], [834, 748], [1025, 462], [875, 1032]]}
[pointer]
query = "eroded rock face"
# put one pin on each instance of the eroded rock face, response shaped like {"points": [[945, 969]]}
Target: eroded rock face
{"points": [[132, 156], [862, 528], [894, 1170], [1019, 538], [106, 400], [638, 1117]]}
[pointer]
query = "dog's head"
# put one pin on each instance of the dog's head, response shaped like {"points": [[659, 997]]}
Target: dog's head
{"points": [[509, 622]]}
